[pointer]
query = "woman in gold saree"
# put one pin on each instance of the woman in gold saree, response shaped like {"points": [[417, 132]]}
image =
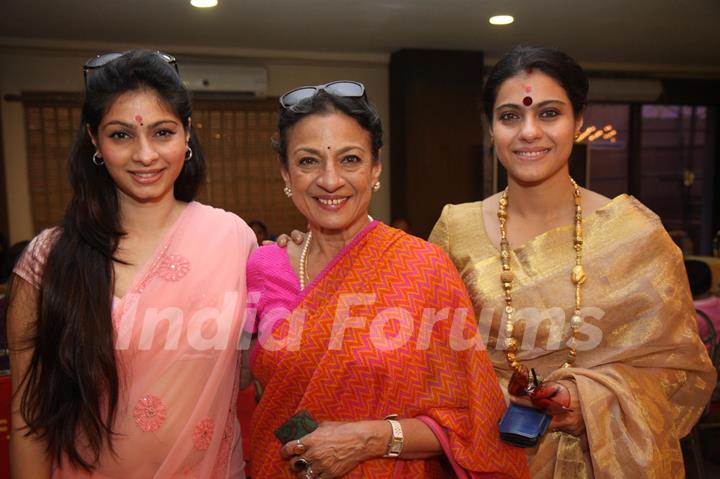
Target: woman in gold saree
{"points": [[588, 292]]}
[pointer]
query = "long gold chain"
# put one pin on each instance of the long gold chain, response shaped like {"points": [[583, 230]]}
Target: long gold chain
{"points": [[577, 276]]}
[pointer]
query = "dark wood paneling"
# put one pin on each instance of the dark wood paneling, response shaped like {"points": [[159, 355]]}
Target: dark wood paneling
{"points": [[436, 133], [681, 91], [635, 150], [4, 226], [711, 196]]}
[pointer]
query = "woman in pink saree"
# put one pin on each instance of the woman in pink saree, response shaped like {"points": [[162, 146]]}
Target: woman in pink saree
{"points": [[365, 328], [124, 320]]}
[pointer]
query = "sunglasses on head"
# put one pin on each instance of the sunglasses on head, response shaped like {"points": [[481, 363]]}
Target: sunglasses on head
{"points": [[103, 59], [343, 88]]}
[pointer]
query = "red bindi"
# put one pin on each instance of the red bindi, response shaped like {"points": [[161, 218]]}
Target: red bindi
{"points": [[527, 101], [138, 119]]}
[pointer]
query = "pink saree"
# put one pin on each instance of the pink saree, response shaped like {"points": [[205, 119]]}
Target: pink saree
{"points": [[177, 331], [369, 348]]}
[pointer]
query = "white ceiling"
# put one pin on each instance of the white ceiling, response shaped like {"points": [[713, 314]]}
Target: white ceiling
{"points": [[673, 34]]}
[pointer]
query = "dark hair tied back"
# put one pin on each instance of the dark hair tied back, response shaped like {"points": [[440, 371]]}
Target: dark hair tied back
{"points": [[359, 109], [552, 62]]}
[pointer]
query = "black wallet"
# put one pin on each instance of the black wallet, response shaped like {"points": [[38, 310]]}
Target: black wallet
{"points": [[523, 426]]}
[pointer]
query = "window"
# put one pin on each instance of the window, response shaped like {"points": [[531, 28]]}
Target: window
{"points": [[50, 124], [609, 152], [243, 171], [658, 153], [672, 161]]}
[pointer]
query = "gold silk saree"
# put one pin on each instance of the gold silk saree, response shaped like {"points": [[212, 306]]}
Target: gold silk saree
{"points": [[642, 373]]}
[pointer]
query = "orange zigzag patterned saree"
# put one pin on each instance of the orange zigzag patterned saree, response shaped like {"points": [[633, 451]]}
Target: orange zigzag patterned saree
{"points": [[353, 373]]}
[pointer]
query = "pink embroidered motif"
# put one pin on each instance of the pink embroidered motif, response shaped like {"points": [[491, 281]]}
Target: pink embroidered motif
{"points": [[229, 426], [173, 267], [149, 413], [203, 433]]}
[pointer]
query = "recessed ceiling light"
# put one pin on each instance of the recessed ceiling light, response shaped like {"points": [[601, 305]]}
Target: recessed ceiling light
{"points": [[501, 20], [203, 3]]}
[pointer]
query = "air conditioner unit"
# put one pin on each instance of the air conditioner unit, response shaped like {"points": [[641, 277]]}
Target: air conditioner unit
{"points": [[624, 90], [209, 77]]}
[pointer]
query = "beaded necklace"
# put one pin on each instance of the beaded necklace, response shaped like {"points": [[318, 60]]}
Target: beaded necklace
{"points": [[303, 262], [302, 267], [577, 276]]}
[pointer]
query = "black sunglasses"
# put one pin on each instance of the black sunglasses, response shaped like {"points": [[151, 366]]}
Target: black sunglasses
{"points": [[344, 88], [99, 61]]}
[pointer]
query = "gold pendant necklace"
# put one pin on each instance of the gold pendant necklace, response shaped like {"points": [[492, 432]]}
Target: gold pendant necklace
{"points": [[578, 277]]}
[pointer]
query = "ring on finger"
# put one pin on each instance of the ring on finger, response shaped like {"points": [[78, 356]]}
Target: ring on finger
{"points": [[301, 465], [299, 448], [309, 473]]}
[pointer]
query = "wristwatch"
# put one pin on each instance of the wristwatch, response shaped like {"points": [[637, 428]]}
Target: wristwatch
{"points": [[395, 445]]}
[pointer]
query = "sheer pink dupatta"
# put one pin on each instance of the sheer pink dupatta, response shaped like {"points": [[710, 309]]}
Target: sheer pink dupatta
{"points": [[177, 330]]}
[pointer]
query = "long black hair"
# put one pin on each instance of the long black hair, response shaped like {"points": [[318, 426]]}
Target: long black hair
{"points": [[551, 61], [72, 383]]}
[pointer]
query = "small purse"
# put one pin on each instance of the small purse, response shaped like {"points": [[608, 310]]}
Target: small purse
{"points": [[523, 426]]}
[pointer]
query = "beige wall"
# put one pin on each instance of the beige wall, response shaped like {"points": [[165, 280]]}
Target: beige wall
{"points": [[52, 69]]}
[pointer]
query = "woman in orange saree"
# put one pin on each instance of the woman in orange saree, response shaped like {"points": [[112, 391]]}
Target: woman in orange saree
{"points": [[383, 328]]}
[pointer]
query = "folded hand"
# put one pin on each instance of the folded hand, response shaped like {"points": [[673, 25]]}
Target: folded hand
{"points": [[560, 400], [334, 449]]}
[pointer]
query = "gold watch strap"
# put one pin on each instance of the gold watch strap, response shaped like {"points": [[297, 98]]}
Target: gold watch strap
{"points": [[395, 445]]}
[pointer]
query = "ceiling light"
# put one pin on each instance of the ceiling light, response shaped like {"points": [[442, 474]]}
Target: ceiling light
{"points": [[501, 20], [204, 3]]}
